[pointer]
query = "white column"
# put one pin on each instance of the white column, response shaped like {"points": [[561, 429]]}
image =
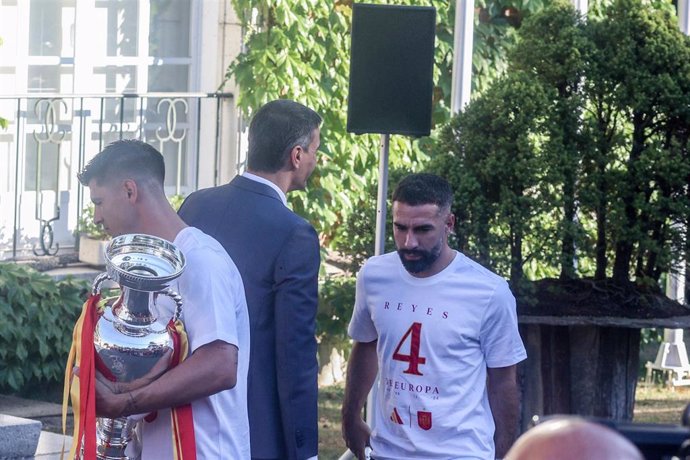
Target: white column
{"points": [[462, 55], [684, 16], [144, 16], [675, 283], [22, 56], [205, 25], [87, 24], [581, 5]]}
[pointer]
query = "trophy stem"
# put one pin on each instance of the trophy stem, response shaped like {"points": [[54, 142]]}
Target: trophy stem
{"points": [[133, 307]]}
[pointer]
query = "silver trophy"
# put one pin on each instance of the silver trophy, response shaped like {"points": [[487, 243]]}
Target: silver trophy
{"points": [[129, 339]]}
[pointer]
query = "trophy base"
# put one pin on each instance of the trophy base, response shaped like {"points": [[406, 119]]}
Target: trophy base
{"points": [[117, 439]]}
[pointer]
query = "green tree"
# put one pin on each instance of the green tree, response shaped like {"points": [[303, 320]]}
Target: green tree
{"points": [[652, 68], [495, 204], [300, 49], [553, 50], [610, 148], [603, 128]]}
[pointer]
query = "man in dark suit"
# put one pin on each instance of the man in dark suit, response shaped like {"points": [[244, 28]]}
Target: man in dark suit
{"points": [[277, 254]]}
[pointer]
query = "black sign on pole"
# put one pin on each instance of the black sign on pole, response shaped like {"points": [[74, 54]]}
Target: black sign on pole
{"points": [[391, 69]]}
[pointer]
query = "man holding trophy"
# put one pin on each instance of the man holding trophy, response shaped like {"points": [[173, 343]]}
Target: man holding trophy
{"points": [[126, 184]]}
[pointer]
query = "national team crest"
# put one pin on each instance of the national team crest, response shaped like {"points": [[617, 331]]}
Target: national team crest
{"points": [[424, 420]]}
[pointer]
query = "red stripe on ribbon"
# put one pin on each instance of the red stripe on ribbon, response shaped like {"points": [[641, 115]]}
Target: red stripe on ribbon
{"points": [[87, 380]]}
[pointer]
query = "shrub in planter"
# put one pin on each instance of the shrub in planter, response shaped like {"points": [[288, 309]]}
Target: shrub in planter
{"points": [[92, 238], [37, 316], [87, 226]]}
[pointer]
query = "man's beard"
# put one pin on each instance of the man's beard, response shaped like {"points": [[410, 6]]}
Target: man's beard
{"points": [[426, 260]]}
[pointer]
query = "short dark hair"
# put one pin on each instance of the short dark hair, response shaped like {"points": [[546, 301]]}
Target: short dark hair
{"points": [[127, 157], [277, 128], [424, 188]]}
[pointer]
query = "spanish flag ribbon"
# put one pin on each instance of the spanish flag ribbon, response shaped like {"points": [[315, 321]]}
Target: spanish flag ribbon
{"points": [[82, 391], [184, 442]]}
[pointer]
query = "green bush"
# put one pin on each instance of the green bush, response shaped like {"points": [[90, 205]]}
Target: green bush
{"points": [[176, 201], [336, 299], [37, 316]]}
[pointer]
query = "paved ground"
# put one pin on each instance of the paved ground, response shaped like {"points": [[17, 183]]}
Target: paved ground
{"points": [[50, 414]]}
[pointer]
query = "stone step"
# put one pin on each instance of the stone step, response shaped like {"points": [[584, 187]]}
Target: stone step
{"points": [[18, 437], [52, 445], [49, 415]]}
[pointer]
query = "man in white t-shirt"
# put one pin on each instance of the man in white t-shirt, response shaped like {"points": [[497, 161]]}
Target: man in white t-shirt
{"points": [[126, 182], [442, 333]]}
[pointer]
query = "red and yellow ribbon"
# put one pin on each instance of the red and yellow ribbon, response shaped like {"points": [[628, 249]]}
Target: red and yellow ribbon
{"points": [[83, 388], [184, 442]]}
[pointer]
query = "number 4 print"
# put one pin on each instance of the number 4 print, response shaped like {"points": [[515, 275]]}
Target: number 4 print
{"points": [[414, 332]]}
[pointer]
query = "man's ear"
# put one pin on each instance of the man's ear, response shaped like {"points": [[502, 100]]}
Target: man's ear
{"points": [[130, 188], [450, 223], [296, 156]]}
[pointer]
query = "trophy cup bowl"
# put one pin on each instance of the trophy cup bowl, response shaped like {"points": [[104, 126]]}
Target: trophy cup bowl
{"points": [[129, 339]]}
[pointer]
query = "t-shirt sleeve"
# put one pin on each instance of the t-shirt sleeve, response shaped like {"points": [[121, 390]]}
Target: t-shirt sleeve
{"points": [[361, 328], [209, 293], [500, 339]]}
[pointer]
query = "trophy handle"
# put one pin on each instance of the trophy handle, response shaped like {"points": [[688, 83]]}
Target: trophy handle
{"points": [[96, 286], [178, 301]]}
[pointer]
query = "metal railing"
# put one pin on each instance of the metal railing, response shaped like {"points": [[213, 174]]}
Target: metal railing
{"points": [[50, 137]]}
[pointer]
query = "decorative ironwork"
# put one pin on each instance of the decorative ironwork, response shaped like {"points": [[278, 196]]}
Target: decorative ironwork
{"points": [[51, 120], [171, 119], [171, 125], [76, 126], [51, 133]]}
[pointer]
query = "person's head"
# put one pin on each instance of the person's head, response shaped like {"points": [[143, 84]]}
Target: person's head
{"points": [[422, 221], [125, 175], [284, 135], [572, 438]]}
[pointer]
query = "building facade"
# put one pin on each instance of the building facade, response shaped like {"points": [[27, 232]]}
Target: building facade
{"points": [[78, 74]]}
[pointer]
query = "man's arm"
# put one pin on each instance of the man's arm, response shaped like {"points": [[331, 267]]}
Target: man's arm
{"points": [[198, 376], [504, 401], [361, 374], [296, 300]]}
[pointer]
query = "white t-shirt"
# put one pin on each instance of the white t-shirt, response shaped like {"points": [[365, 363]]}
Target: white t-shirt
{"points": [[214, 308], [436, 337]]}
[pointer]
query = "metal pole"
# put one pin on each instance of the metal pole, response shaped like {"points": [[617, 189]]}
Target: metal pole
{"points": [[462, 55], [17, 227], [198, 140], [379, 248], [380, 242], [122, 114], [80, 165], [216, 158]]}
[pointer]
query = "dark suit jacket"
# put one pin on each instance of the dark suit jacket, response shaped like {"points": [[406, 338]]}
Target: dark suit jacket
{"points": [[277, 254]]}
